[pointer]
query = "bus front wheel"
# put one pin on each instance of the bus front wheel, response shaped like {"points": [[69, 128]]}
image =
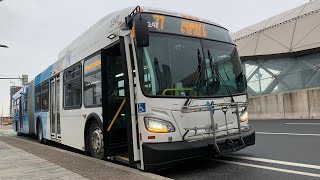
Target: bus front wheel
{"points": [[95, 141]]}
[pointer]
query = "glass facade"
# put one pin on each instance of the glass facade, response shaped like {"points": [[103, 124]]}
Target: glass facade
{"points": [[266, 76]]}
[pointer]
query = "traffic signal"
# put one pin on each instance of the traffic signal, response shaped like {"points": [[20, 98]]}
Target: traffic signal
{"points": [[24, 79]]}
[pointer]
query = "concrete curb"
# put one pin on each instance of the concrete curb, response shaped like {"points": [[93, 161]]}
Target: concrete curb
{"points": [[105, 163]]}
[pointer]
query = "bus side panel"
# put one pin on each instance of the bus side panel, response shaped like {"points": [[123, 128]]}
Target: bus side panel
{"points": [[15, 122], [46, 125], [43, 117], [31, 108], [72, 127], [25, 128]]}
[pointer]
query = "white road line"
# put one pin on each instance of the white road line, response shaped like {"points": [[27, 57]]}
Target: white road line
{"points": [[317, 124], [270, 168], [290, 134], [286, 163]]}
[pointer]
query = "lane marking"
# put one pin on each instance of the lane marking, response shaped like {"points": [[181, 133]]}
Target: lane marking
{"points": [[287, 163], [290, 134], [317, 124], [270, 168]]}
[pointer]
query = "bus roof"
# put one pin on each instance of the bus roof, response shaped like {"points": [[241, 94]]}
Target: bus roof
{"points": [[95, 38], [91, 32]]}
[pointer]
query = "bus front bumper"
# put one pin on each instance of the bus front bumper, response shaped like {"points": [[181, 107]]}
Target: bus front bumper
{"points": [[160, 155]]}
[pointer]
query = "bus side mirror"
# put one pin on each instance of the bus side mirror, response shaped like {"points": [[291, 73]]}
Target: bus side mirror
{"points": [[141, 31]]}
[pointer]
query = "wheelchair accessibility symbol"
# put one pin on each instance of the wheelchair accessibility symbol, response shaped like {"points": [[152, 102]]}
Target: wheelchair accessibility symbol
{"points": [[141, 107]]}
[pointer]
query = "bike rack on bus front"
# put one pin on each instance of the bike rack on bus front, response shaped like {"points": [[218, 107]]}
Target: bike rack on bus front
{"points": [[211, 131]]}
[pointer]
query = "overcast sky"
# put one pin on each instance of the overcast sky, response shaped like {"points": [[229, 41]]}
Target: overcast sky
{"points": [[36, 30]]}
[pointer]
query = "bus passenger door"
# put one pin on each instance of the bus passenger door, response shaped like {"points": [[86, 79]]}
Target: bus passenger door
{"points": [[55, 108], [24, 113], [116, 106]]}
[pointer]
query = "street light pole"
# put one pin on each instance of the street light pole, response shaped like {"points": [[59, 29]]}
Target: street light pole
{"points": [[14, 90], [3, 46], [14, 84]]}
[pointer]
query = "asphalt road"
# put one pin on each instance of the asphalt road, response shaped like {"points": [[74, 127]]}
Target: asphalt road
{"points": [[284, 149], [295, 146]]}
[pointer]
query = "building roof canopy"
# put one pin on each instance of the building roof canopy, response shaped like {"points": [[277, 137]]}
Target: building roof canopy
{"points": [[295, 30]]}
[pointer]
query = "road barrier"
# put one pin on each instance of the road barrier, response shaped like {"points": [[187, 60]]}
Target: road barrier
{"points": [[303, 104]]}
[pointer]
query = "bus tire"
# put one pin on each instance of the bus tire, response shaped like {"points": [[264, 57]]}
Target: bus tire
{"points": [[95, 140], [40, 138]]}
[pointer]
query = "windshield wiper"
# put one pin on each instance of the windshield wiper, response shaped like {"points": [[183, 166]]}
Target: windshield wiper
{"points": [[196, 78], [220, 77]]}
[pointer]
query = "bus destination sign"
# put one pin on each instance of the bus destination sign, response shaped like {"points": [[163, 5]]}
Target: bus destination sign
{"points": [[186, 27]]}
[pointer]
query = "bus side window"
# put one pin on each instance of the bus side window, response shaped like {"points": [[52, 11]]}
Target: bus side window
{"points": [[73, 86], [45, 96], [38, 98], [92, 81]]}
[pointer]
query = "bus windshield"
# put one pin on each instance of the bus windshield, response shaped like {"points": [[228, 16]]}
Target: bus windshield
{"points": [[178, 66]]}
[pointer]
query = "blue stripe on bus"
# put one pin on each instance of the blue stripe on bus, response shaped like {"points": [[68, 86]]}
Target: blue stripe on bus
{"points": [[46, 74]]}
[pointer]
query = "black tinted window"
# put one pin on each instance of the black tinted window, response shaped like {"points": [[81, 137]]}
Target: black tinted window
{"points": [[38, 98], [45, 96], [72, 86]]}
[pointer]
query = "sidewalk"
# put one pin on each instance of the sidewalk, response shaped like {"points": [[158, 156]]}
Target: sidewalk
{"points": [[18, 164], [24, 158], [7, 130]]}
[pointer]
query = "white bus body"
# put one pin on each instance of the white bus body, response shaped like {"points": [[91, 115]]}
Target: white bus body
{"points": [[145, 106]]}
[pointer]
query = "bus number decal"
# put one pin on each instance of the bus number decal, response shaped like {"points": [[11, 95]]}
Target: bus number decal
{"points": [[152, 25], [158, 22]]}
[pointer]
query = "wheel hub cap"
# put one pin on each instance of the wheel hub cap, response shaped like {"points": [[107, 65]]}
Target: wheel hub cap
{"points": [[97, 141]]}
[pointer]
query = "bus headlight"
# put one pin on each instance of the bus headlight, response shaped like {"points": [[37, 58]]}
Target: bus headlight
{"points": [[158, 125], [244, 116]]}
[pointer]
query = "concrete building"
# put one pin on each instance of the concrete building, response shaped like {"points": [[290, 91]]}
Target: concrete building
{"points": [[281, 60], [282, 53]]}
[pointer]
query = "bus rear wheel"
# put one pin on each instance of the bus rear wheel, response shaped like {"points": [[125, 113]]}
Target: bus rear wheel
{"points": [[95, 141]]}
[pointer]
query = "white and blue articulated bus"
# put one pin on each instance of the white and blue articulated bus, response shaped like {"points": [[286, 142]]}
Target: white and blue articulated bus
{"points": [[145, 87]]}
